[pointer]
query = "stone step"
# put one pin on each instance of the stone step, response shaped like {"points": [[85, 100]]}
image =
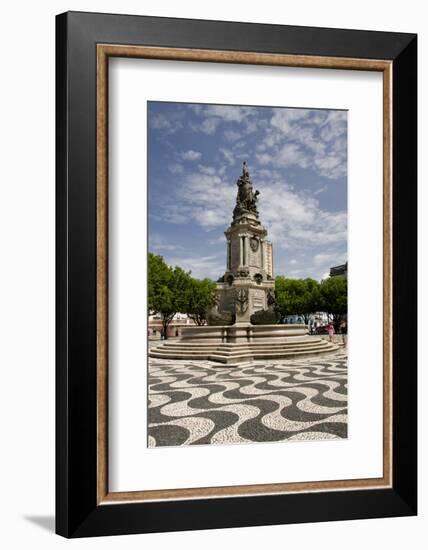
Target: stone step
{"points": [[241, 355], [289, 341], [242, 349], [229, 359], [252, 345]]}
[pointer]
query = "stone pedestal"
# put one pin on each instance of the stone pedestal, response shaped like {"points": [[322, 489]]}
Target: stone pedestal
{"points": [[247, 287]]}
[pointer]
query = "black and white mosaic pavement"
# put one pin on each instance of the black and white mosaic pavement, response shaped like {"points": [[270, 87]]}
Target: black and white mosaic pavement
{"points": [[199, 402]]}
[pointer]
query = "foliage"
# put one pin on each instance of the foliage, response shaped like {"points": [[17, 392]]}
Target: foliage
{"points": [[173, 290], [167, 290], [334, 298], [297, 297], [200, 299]]}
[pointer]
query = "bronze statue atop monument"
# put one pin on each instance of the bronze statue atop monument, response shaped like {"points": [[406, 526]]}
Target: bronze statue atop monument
{"points": [[246, 199]]}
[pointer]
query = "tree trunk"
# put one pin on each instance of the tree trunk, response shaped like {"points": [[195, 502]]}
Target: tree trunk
{"points": [[165, 324], [336, 323]]}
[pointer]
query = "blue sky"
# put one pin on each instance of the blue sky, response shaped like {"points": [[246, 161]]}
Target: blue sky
{"points": [[297, 159]]}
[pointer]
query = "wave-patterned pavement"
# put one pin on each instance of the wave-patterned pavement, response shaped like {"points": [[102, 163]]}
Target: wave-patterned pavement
{"points": [[199, 403]]}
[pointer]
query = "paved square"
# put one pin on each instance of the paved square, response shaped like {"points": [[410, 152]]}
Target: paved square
{"points": [[199, 402]]}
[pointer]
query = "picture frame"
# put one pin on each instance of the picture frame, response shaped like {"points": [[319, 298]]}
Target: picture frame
{"points": [[84, 44]]}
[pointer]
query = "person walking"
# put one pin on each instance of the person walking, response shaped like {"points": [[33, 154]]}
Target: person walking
{"points": [[330, 331]]}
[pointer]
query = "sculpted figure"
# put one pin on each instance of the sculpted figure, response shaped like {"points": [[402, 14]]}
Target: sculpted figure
{"points": [[246, 198]]}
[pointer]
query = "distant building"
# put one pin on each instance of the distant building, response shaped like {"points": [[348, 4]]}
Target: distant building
{"points": [[268, 258], [339, 270], [180, 321]]}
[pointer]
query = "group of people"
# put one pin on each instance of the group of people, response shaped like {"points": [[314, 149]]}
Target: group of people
{"points": [[343, 330]]}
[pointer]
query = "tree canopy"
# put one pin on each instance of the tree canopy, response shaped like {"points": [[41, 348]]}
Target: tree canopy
{"points": [[200, 299], [306, 296], [297, 297], [173, 290], [334, 298]]}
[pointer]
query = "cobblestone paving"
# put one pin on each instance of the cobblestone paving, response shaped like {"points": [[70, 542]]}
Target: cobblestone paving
{"points": [[199, 402]]}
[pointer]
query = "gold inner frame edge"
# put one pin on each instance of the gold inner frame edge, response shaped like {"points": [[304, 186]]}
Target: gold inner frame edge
{"points": [[104, 51]]}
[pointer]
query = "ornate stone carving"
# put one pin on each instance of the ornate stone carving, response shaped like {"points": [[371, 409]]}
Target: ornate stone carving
{"points": [[241, 300], [243, 272], [254, 244], [271, 300], [258, 277]]}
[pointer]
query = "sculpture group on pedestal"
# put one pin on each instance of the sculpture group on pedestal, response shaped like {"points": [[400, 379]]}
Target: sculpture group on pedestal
{"points": [[247, 285]]}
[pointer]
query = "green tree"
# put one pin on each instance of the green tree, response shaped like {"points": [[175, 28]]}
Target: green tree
{"points": [[158, 280], [311, 298], [297, 297], [200, 299], [168, 290], [334, 298]]}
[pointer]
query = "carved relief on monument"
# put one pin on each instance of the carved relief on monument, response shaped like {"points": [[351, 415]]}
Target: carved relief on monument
{"points": [[258, 277], [258, 300], [235, 253], [241, 300], [271, 300], [254, 244], [244, 272], [254, 259]]}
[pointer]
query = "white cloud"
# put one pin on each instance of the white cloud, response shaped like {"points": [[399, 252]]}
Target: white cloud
{"points": [[211, 266], [231, 135], [209, 125], [292, 154], [320, 190], [208, 170], [176, 168], [158, 244], [167, 123], [296, 221], [264, 158], [228, 155], [229, 113], [308, 139], [190, 155], [284, 118], [329, 258], [247, 119]]}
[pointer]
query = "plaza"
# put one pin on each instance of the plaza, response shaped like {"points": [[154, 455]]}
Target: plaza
{"points": [[243, 375], [200, 402]]}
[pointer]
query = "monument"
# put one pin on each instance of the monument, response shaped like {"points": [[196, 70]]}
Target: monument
{"points": [[233, 335], [248, 286]]}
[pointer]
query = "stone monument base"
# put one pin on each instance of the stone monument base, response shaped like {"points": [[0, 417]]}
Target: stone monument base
{"points": [[236, 344]]}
